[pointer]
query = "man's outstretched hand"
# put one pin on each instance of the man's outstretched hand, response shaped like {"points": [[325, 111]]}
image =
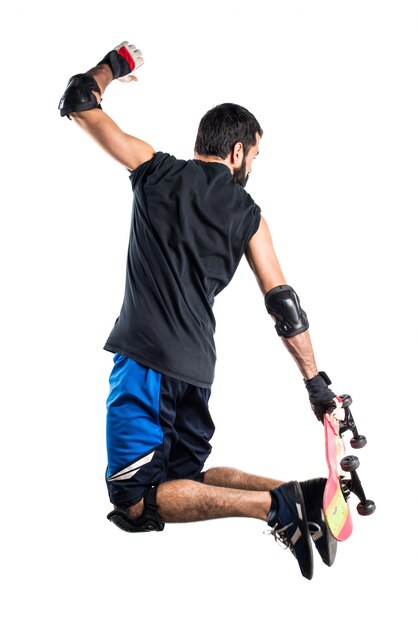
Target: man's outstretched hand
{"points": [[123, 60]]}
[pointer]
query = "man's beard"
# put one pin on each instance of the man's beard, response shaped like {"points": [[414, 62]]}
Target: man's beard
{"points": [[240, 174]]}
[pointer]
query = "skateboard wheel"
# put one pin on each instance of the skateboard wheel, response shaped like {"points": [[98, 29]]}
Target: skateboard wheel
{"points": [[366, 508], [347, 400], [358, 442], [349, 463]]}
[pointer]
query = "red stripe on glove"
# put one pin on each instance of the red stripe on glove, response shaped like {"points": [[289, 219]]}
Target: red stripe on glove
{"points": [[127, 56]]}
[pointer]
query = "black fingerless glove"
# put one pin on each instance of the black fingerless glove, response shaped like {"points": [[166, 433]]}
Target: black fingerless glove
{"points": [[321, 396], [119, 64]]}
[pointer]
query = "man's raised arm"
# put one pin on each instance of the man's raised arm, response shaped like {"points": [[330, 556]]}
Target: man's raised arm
{"points": [[81, 103]]}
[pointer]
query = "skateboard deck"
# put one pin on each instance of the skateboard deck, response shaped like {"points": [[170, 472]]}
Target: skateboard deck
{"points": [[343, 478], [336, 509]]}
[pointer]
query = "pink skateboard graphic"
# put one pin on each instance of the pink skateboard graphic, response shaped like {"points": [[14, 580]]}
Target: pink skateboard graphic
{"points": [[342, 478]]}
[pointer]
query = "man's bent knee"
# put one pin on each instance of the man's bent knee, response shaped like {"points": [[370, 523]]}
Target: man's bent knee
{"points": [[148, 521]]}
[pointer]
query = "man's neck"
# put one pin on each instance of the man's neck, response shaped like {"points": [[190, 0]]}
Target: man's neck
{"points": [[209, 158]]}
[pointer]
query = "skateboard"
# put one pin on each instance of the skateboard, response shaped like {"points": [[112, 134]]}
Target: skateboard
{"points": [[343, 478]]}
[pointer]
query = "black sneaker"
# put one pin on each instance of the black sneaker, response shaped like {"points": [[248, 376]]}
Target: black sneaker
{"points": [[287, 518], [325, 543]]}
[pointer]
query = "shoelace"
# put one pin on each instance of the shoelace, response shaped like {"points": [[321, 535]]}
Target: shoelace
{"points": [[279, 535]]}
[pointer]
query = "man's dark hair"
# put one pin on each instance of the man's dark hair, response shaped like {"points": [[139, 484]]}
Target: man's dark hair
{"points": [[222, 127]]}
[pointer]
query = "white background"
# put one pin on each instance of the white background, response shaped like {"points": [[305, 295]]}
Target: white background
{"points": [[334, 86]]}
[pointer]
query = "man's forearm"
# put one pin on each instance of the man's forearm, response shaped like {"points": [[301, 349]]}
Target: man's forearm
{"points": [[300, 347], [103, 76]]}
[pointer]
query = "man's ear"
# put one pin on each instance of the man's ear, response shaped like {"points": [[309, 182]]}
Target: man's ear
{"points": [[237, 154]]}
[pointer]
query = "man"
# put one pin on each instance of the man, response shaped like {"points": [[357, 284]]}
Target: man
{"points": [[192, 222]]}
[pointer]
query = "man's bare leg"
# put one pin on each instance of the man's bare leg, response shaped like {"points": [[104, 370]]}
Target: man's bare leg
{"points": [[235, 479], [192, 501]]}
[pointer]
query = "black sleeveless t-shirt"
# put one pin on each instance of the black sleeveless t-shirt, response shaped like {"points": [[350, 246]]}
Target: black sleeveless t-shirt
{"points": [[191, 224]]}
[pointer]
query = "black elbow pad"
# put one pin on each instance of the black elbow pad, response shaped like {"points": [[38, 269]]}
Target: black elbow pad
{"points": [[283, 303], [79, 95]]}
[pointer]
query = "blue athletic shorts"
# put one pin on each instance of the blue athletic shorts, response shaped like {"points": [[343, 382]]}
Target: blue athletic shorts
{"points": [[158, 429]]}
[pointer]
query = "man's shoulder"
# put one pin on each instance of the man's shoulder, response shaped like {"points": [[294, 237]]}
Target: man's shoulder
{"points": [[158, 165]]}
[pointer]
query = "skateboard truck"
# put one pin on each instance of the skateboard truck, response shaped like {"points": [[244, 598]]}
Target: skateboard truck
{"points": [[353, 485], [348, 423], [351, 463]]}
